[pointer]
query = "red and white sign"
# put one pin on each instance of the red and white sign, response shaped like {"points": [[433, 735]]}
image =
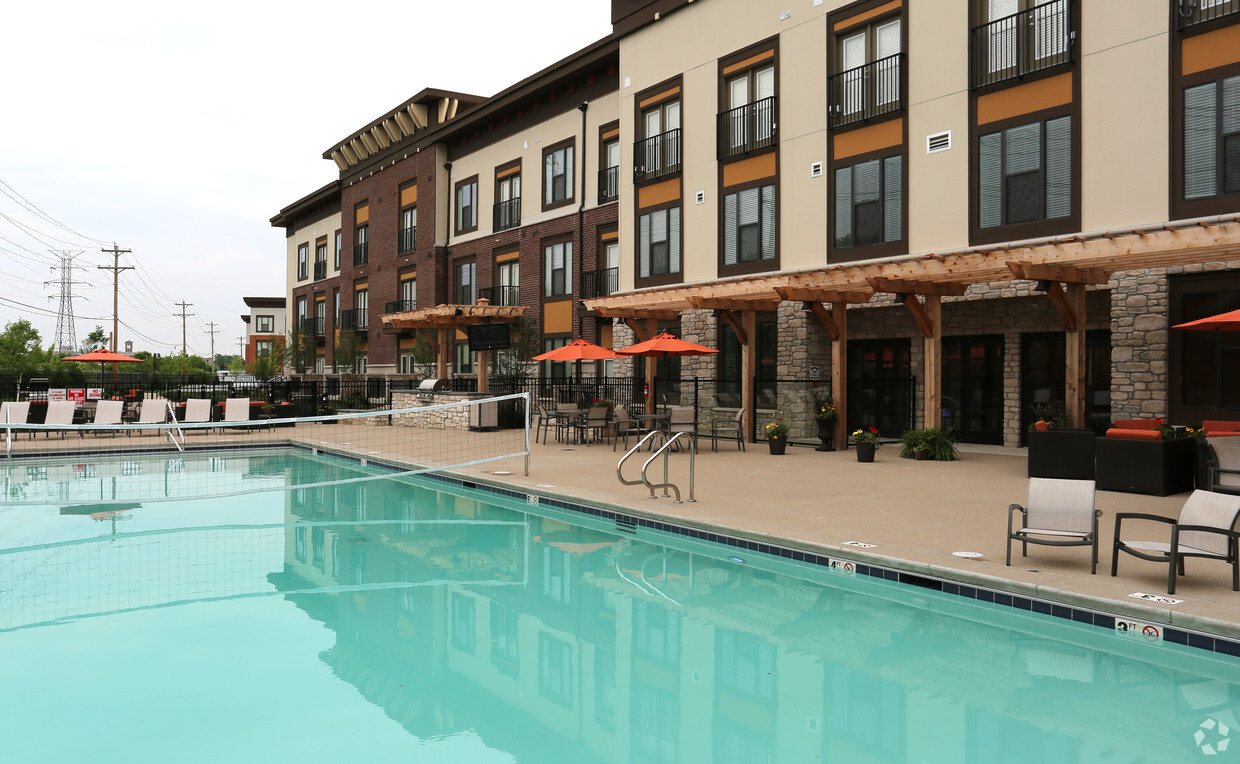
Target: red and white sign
{"points": [[58, 394], [845, 567], [77, 395], [94, 393]]}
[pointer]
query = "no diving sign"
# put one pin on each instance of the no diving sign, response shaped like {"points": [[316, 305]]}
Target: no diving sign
{"points": [[1146, 631]]}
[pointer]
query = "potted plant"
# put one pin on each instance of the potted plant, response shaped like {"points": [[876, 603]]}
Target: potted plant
{"points": [[825, 415], [913, 445], [1058, 451], [937, 443], [866, 442], [603, 403], [777, 437]]}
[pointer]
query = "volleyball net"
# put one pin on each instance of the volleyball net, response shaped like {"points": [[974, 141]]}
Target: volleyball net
{"points": [[238, 448]]}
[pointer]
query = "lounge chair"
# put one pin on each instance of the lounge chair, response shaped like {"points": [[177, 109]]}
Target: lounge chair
{"points": [[107, 412], [237, 410], [1205, 528], [1057, 513], [153, 411], [624, 426], [59, 413], [15, 412], [197, 410], [1225, 465], [728, 428]]}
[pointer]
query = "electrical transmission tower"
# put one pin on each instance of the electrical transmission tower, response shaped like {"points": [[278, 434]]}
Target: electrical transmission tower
{"points": [[66, 336]]}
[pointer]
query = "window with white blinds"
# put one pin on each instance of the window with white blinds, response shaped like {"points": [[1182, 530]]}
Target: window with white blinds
{"points": [[1212, 139], [1025, 173], [558, 269], [558, 175], [658, 240], [749, 225], [869, 202]]}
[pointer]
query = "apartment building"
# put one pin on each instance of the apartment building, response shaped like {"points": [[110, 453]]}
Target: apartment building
{"points": [[877, 165], [312, 273], [265, 327]]}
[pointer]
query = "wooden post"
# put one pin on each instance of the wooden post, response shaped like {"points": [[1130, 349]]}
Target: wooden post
{"points": [[839, 373], [652, 328], [441, 358], [1074, 346], [933, 414], [483, 357], [749, 370]]}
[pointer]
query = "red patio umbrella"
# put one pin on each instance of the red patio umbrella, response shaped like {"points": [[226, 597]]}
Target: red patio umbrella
{"points": [[577, 350], [101, 357], [1223, 322], [663, 345]]}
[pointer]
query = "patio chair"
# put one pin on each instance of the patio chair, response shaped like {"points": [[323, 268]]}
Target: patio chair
{"points": [[237, 410], [596, 424], [1225, 465], [1205, 528], [681, 419], [1057, 513], [107, 412], [15, 412], [59, 413], [624, 426], [728, 428]]}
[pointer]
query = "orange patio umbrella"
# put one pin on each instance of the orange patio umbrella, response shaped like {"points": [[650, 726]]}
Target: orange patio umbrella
{"points": [[1223, 322], [578, 350], [101, 357], [664, 345]]}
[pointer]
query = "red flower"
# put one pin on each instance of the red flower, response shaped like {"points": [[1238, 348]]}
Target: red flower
{"points": [[873, 429], [1161, 421]]}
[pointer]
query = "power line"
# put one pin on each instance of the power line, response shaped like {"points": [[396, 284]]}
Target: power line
{"points": [[24, 202]]}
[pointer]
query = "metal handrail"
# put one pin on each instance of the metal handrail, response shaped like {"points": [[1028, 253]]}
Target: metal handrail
{"points": [[666, 484], [635, 449], [172, 416]]}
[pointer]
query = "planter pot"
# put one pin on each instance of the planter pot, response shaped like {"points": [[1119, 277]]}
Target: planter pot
{"points": [[865, 451], [1157, 467], [826, 434], [778, 445], [1066, 454], [921, 454]]}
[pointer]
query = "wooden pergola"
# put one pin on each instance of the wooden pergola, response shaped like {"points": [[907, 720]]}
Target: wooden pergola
{"points": [[1063, 268], [450, 318]]}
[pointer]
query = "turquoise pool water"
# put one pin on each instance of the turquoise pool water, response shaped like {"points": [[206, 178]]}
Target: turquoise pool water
{"points": [[408, 619]]}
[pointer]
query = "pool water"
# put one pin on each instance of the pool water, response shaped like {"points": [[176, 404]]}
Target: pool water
{"points": [[407, 618]]}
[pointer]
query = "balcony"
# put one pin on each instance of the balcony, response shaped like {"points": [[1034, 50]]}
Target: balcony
{"points": [[506, 215], [868, 91], [600, 283], [656, 157], [320, 270], [400, 306], [608, 184], [1190, 13], [746, 128], [354, 320], [361, 253], [315, 327], [1021, 44], [501, 295], [407, 239]]}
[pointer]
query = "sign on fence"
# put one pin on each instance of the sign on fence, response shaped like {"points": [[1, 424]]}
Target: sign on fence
{"points": [[58, 394]]}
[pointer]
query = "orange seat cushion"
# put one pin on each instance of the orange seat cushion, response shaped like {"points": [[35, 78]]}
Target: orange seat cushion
{"points": [[1134, 434], [1220, 426], [1135, 424], [1223, 433]]}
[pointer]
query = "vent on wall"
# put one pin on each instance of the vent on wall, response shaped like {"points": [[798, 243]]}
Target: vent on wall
{"points": [[939, 142]]}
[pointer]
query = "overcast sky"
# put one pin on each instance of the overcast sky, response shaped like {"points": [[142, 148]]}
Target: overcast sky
{"points": [[178, 131]]}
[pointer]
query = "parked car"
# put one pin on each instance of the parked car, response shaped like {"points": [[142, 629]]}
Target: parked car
{"points": [[245, 382]]}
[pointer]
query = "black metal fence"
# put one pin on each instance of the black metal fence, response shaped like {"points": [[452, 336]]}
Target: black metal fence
{"points": [[656, 156], [746, 128], [865, 92]]}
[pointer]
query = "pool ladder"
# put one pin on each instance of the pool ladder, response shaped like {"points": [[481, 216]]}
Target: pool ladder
{"points": [[690, 440]]}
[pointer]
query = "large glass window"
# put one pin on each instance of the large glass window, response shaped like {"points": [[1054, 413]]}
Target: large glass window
{"points": [[555, 369], [749, 225], [658, 152], [1212, 139], [1203, 366], [465, 283], [658, 241], [869, 203], [408, 235], [558, 175], [729, 363], [558, 269], [1025, 173], [303, 261], [467, 206], [265, 324]]}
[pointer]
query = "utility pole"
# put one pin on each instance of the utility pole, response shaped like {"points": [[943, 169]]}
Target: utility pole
{"points": [[212, 331], [116, 269], [241, 350], [66, 337], [184, 346]]}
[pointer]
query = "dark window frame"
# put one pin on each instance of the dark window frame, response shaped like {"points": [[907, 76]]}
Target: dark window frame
{"points": [[258, 323], [549, 202], [608, 176], [835, 52], [672, 277], [640, 110], [881, 248], [746, 150], [457, 207], [406, 242], [1181, 361], [1209, 205], [303, 261], [745, 266], [339, 241], [546, 286], [511, 213], [457, 283]]}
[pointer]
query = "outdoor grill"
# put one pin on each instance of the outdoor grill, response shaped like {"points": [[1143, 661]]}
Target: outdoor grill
{"points": [[428, 387]]}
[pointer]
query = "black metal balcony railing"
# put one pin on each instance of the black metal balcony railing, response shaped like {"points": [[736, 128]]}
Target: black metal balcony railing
{"points": [[608, 184], [1021, 44], [501, 295], [507, 215], [657, 156], [1190, 13], [315, 327], [407, 239], [400, 306], [361, 253], [868, 91], [320, 270], [354, 320], [600, 283], [746, 128]]}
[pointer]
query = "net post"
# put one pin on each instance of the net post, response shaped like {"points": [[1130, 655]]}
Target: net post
{"points": [[529, 409]]}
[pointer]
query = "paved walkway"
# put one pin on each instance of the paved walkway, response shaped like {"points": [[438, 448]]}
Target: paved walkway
{"points": [[916, 514]]}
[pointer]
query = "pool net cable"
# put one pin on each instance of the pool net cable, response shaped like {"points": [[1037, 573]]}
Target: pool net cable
{"points": [[75, 465]]}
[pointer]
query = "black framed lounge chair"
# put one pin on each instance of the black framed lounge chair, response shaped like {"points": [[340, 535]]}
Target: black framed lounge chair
{"points": [[595, 425], [1224, 467], [625, 426], [1057, 513], [727, 429], [1205, 528]]}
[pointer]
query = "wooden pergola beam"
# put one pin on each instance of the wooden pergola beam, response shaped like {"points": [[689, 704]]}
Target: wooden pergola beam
{"points": [[732, 321], [637, 328], [925, 323], [906, 286], [829, 324], [735, 304], [1072, 319], [804, 294], [1058, 272]]}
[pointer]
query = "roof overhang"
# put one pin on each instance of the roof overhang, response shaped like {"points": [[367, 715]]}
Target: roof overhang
{"points": [[1088, 258]]}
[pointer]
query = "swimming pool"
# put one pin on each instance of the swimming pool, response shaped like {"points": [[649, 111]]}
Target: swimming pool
{"points": [[414, 618]]}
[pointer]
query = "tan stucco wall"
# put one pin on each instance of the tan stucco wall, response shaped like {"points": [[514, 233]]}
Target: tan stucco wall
{"points": [[307, 235]]}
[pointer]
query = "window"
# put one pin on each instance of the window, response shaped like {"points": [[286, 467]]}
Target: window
{"points": [[467, 205], [320, 259], [1017, 37], [408, 294], [749, 225], [658, 154], [558, 175], [264, 347], [869, 79], [361, 250], [555, 369], [504, 639], [749, 123], [303, 262], [1025, 173], [555, 670], [337, 262], [466, 279], [869, 203], [658, 241], [462, 623], [558, 269], [336, 300], [1212, 139], [508, 277], [729, 363], [301, 310], [507, 202], [464, 358], [265, 324], [609, 176], [408, 234]]}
